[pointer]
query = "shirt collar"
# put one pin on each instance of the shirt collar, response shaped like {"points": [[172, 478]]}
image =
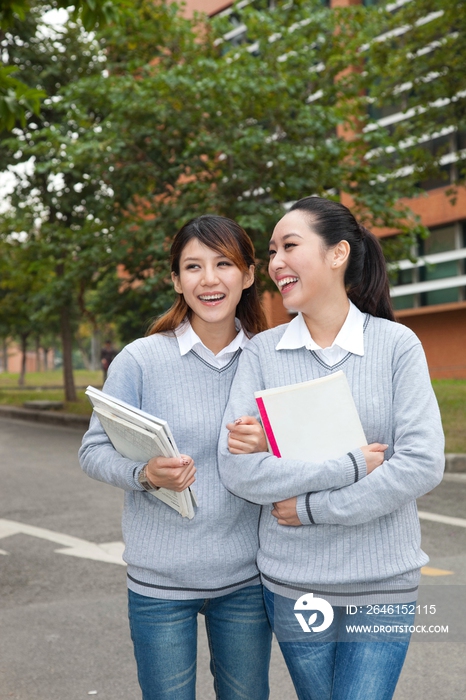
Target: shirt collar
{"points": [[349, 338], [188, 339]]}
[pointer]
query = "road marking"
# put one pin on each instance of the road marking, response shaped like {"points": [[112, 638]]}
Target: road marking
{"points": [[431, 571], [110, 552], [445, 519]]}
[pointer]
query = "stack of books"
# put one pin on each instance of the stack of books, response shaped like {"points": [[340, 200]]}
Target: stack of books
{"points": [[139, 436]]}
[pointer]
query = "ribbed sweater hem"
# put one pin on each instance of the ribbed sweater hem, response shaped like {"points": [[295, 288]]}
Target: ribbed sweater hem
{"points": [[153, 590], [392, 591]]}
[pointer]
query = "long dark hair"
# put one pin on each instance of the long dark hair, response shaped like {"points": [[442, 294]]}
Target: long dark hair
{"points": [[226, 237], [366, 278]]}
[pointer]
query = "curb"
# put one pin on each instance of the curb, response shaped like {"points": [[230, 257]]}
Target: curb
{"points": [[454, 463], [49, 417]]}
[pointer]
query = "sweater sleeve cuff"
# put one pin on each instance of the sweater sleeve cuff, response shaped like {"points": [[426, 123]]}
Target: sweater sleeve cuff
{"points": [[356, 466], [137, 469], [303, 510]]}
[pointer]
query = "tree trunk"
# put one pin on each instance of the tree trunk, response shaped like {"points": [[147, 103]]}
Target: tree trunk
{"points": [[45, 352], [38, 368], [5, 354], [95, 350], [84, 355], [24, 347], [67, 349]]}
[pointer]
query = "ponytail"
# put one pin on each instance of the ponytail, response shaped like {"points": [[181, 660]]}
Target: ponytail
{"points": [[366, 278], [370, 289]]}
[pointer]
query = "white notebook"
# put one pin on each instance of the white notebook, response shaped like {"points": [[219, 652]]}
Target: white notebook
{"points": [[312, 421], [141, 436]]}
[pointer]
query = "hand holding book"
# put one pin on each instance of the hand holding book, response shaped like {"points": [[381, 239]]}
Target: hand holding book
{"points": [[314, 420], [374, 455], [245, 436], [145, 438], [175, 473]]}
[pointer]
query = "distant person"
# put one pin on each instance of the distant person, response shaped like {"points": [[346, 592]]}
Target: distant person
{"points": [[177, 568], [341, 536], [107, 355]]}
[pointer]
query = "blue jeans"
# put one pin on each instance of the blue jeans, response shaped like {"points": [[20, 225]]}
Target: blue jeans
{"points": [[164, 634], [337, 663]]}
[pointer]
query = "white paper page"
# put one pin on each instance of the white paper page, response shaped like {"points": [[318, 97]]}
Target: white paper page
{"points": [[135, 416]]}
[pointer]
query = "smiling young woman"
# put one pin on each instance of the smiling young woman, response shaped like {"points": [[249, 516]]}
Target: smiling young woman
{"points": [[345, 530], [182, 371]]}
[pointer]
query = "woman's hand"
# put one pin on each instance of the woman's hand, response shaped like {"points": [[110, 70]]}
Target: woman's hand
{"points": [[246, 436], [175, 473], [374, 455], [285, 512]]}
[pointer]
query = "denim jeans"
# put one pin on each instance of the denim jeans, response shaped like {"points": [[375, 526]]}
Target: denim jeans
{"points": [[337, 663], [164, 634]]}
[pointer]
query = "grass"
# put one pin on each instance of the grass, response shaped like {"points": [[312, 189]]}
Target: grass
{"points": [[52, 378], [81, 407], [451, 395], [13, 395]]}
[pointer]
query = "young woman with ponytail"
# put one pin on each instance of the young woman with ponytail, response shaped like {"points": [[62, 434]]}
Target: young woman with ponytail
{"points": [[177, 568], [343, 533]]}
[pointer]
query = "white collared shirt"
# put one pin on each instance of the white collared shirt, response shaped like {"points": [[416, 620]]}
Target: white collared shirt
{"points": [[349, 339], [189, 340]]}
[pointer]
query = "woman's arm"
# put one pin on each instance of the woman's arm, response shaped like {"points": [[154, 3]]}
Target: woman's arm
{"points": [[97, 456], [415, 467], [294, 511], [101, 461], [261, 477]]}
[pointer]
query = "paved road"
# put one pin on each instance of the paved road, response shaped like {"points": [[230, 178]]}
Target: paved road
{"points": [[63, 627]]}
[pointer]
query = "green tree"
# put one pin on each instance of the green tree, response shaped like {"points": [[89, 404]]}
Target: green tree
{"points": [[18, 98], [58, 205], [20, 285], [191, 123]]}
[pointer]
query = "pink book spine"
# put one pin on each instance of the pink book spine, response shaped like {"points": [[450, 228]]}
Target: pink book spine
{"points": [[267, 427]]}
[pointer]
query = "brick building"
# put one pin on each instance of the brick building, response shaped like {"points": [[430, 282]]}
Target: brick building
{"points": [[430, 295], [36, 360]]}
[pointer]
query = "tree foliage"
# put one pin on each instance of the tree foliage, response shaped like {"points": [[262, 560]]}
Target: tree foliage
{"points": [[23, 311], [416, 68], [58, 205], [18, 97], [158, 118], [190, 122]]}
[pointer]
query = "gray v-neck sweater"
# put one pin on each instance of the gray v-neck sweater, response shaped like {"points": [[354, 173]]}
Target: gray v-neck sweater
{"points": [[360, 538], [169, 556]]}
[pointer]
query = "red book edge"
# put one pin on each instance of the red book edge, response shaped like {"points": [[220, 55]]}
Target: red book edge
{"points": [[267, 427]]}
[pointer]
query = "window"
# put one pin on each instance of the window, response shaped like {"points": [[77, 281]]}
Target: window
{"points": [[440, 241], [438, 276], [407, 301], [382, 111]]}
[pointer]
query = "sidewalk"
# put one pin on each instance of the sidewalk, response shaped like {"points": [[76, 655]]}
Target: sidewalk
{"points": [[453, 462]]}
